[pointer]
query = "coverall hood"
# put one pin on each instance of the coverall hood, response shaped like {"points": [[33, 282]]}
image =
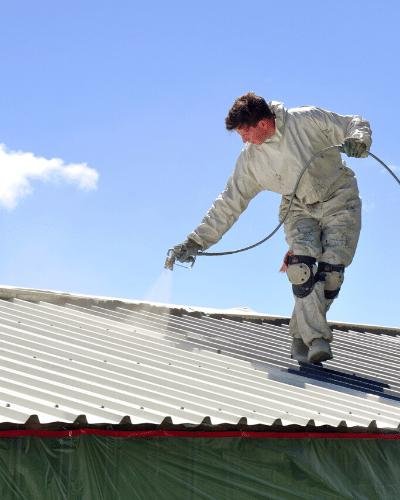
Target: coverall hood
{"points": [[280, 115]]}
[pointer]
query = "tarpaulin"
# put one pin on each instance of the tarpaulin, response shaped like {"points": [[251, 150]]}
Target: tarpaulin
{"points": [[146, 466]]}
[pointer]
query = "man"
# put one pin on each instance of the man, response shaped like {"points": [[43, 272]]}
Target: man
{"points": [[323, 225]]}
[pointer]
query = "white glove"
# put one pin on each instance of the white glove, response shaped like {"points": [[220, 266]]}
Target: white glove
{"points": [[354, 147]]}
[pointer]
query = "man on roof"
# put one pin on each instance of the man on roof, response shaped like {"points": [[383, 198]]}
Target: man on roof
{"points": [[324, 221]]}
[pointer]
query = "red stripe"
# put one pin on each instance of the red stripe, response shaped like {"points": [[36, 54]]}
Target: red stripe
{"points": [[193, 434]]}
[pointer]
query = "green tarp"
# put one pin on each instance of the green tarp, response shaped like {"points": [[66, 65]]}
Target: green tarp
{"points": [[94, 467]]}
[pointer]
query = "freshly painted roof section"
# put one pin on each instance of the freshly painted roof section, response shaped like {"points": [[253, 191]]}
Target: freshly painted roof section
{"points": [[65, 355]]}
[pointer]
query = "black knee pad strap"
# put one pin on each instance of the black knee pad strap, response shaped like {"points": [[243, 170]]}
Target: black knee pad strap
{"points": [[331, 294]]}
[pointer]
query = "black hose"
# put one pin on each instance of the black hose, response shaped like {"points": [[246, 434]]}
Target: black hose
{"points": [[337, 146]]}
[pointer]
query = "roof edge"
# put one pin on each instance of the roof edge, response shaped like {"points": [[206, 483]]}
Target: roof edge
{"points": [[241, 313], [60, 298]]}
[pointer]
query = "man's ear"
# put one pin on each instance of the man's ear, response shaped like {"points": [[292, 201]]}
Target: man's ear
{"points": [[265, 123], [268, 122]]}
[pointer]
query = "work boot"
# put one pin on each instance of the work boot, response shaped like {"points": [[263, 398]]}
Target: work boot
{"points": [[319, 351], [299, 350]]}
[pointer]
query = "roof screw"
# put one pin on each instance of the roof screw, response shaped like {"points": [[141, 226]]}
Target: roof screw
{"points": [[104, 360], [55, 406], [102, 406], [8, 405], [182, 407], [142, 407]]}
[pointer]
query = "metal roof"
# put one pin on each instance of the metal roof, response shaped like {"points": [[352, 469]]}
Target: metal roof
{"points": [[111, 359]]}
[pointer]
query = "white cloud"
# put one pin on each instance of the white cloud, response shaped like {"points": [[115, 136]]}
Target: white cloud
{"points": [[19, 169]]}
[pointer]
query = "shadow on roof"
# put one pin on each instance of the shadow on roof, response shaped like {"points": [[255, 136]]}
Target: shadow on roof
{"points": [[346, 380]]}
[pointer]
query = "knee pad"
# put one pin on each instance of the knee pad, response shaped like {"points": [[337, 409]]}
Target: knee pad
{"points": [[333, 276], [300, 273]]}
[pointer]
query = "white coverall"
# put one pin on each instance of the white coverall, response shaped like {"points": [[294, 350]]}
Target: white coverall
{"points": [[325, 218]]}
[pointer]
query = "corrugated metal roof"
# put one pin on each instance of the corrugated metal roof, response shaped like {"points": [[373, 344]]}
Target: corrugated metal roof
{"points": [[61, 360]]}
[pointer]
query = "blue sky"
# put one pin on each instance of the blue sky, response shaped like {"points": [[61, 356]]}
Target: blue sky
{"points": [[131, 97]]}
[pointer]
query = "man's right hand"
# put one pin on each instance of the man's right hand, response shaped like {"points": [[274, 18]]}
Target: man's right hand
{"points": [[354, 147], [184, 252]]}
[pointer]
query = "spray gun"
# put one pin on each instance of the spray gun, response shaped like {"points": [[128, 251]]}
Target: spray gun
{"points": [[170, 260]]}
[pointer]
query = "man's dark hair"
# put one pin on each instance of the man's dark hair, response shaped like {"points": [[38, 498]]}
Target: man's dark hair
{"points": [[247, 110]]}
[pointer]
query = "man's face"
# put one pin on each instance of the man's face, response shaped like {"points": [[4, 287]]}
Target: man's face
{"points": [[259, 133]]}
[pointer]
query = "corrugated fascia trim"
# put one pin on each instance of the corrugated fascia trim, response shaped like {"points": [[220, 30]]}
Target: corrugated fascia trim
{"points": [[205, 428], [163, 433]]}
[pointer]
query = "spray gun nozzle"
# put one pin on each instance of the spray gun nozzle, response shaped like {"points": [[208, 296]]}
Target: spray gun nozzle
{"points": [[170, 260]]}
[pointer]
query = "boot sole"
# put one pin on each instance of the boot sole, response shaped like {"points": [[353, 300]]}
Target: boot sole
{"points": [[319, 357]]}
